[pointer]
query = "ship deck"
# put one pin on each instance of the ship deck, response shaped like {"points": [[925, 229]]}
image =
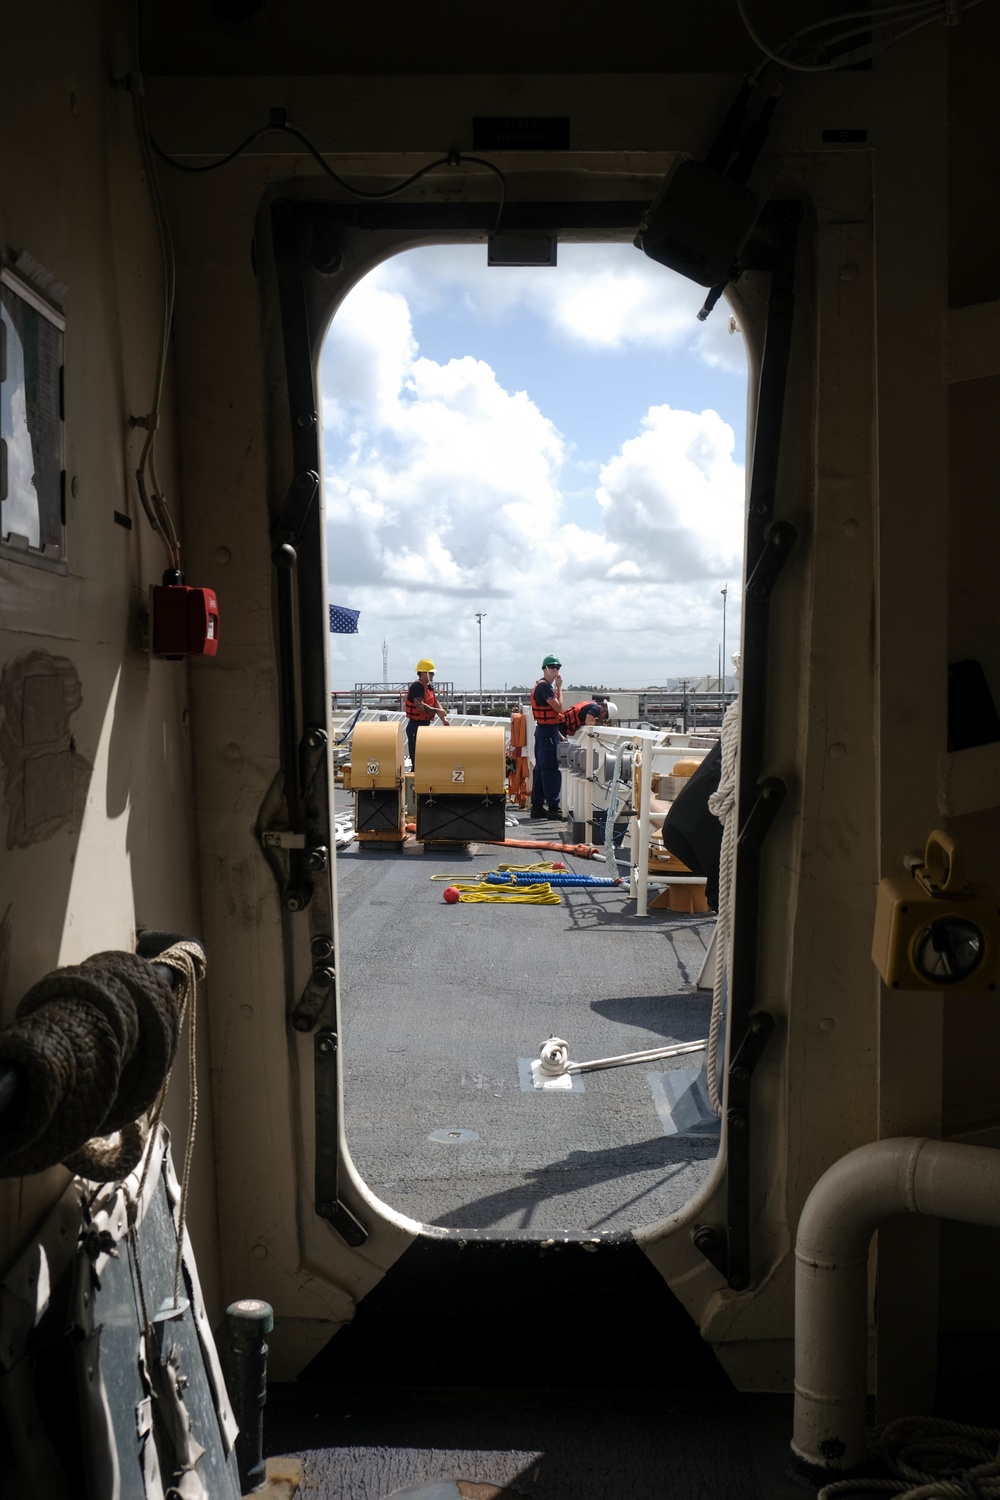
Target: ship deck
{"points": [[443, 1008]]}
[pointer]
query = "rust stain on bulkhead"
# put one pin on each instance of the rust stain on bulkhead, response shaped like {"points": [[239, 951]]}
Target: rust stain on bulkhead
{"points": [[6, 931], [45, 777]]}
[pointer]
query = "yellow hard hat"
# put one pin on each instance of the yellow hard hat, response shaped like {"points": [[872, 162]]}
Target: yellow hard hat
{"points": [[423, 665]]}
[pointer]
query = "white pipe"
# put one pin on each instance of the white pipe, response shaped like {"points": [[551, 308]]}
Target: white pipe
{"points": [[643, 811], [908, 1175]]}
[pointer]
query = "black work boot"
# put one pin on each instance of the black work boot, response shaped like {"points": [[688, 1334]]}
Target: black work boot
{"points": [[536, 813], [555, 814]]}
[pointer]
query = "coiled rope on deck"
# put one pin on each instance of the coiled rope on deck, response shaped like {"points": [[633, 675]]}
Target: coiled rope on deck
{"points": [[92, 1044], [541, 867], [932, 1460], [536, 868], [525, 895], [508, 877]]}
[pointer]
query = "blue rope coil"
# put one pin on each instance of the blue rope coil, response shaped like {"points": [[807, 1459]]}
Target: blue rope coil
{"points": [[526, 878]]}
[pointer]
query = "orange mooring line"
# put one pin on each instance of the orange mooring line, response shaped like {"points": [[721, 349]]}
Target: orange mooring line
{"points": [[582, 851]]}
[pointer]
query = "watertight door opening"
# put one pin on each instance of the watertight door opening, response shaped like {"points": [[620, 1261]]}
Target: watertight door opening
{"points": [[522, 463]]}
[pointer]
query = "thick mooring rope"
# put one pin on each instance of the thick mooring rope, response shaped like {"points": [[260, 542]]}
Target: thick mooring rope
{"points": [[932, 1460], [93, 1044]]}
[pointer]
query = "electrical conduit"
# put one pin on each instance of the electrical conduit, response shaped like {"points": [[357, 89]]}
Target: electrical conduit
{"points": [[848, 1203]]}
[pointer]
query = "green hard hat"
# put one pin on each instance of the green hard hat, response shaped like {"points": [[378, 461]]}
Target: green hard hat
{"points": [[551, 661]]}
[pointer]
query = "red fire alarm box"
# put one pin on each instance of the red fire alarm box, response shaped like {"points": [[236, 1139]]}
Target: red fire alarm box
{"points": [[185, 621]]}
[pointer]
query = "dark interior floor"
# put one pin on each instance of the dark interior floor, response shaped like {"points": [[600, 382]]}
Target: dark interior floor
{"points": [[556, 1370], [456, 1442]]}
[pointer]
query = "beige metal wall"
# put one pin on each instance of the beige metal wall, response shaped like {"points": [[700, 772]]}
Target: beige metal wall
{"points": [[73, 195], [969, 782], [887, 474]]}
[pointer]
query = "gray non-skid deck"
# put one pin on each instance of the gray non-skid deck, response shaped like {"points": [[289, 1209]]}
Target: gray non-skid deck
{"points": [[439, 1004], [461, 1444]]}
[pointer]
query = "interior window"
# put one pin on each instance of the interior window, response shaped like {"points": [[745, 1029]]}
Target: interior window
{"points": [[31, 472]]}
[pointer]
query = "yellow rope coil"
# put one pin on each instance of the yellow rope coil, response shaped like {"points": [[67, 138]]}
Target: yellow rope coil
{"points": [[542, 864], [526, 895], [540, 868]]}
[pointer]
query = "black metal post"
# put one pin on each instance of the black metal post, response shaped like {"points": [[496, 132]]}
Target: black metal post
{"points": [[247, 1324], [767, 547]]}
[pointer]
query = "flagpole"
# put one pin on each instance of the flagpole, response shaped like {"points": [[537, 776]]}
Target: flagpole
{"points": [[480, 616]]}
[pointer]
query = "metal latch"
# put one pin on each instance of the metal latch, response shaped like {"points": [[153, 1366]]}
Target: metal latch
{"points": [[283, 838]]}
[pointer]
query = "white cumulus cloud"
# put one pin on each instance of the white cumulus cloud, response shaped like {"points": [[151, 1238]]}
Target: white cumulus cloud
{"points": [[674, 498], [598, 297], [448, 494]]}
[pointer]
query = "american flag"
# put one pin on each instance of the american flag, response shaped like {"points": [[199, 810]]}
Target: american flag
{"points": [[343, 621]]}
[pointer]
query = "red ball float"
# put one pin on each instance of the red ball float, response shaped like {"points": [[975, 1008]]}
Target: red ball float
{"points": [[451, 894]]}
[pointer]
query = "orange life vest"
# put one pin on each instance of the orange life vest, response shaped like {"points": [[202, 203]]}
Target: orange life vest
{"points": [[420, 708], [573, 716], [545, 713]]}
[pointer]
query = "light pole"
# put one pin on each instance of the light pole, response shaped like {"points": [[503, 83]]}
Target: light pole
{"points": [[725, 595], [480, 617]]}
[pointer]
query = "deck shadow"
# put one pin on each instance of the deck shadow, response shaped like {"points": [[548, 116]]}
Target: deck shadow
{"points": [[576, 1171], [687, 1021]]}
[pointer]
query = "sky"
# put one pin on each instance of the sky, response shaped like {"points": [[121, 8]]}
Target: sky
{"points": [[19, 507], [560, 449]]}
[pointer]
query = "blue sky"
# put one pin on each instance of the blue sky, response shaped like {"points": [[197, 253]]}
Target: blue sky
{"points": [[560, 448], [594, 395]]}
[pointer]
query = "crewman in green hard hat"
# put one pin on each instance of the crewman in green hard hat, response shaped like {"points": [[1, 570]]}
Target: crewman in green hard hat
{"points": [[547, 707], [421, 705]]}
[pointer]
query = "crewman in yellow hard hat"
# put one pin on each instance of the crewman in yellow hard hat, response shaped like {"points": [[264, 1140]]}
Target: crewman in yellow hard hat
{"points": [[421, 705]]}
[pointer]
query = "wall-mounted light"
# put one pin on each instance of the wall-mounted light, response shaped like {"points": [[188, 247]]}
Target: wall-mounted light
{"points": [[935, 930]]}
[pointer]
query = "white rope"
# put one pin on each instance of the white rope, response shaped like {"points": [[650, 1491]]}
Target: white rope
{"points": [[615, 802], [933, 1460], [723, 804], [188, 959], [553, 1057], [627, 1059]]}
